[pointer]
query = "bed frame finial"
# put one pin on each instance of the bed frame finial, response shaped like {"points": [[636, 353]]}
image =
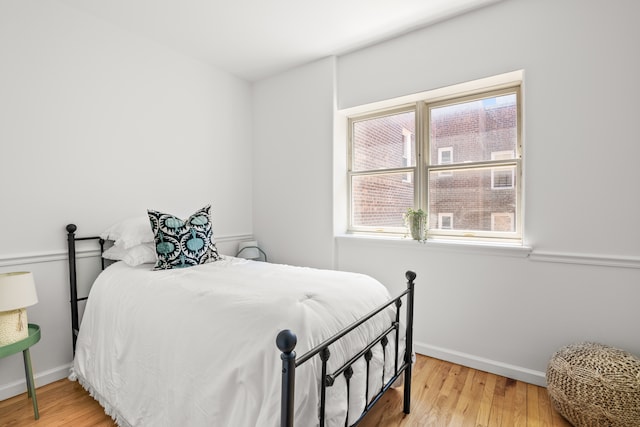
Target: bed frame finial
{"points": [[286, 341], [410, 275], [71, 228]]}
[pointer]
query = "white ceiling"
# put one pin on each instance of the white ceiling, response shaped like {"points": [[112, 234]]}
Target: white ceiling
{"points": [[257, 38]]}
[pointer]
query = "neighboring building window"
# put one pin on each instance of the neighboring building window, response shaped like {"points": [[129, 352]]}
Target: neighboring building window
{"points": [[502, 221], [445, 157], [483, 130], [502, 177], [445, 221]]}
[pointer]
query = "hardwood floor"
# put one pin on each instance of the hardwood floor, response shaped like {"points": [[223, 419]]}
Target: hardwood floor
{"points": [[443, 394]]}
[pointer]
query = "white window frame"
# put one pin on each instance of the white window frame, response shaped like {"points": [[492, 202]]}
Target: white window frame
{"points": [[515, 162], [408, 140], [423, 167], [351, 174]]}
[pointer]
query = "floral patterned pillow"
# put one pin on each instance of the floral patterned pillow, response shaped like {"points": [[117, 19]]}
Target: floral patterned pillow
{"points": [[183, 243]]}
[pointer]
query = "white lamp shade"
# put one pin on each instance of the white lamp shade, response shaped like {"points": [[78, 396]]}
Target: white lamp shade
{"points": [[17, 290]]}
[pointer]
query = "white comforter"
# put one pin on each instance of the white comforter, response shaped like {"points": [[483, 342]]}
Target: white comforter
{"points": [[196, 346]]}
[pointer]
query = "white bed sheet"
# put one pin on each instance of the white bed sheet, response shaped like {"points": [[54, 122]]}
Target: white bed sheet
{"points": [[196, 346]]}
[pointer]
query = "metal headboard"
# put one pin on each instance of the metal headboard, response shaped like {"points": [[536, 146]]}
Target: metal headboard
{"points": [[73, 280]]}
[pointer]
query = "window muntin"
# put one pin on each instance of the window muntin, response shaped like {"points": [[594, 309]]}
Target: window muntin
{"points": [[408, 138], [461, 193]]}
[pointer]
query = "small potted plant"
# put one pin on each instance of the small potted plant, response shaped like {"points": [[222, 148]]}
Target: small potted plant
{"points": [[416, 221]]}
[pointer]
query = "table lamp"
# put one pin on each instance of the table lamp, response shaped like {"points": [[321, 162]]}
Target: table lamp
{"points": [[17, 291]]}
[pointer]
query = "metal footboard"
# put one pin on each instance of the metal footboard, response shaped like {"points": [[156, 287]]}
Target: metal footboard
{"points": [[286, 342]]}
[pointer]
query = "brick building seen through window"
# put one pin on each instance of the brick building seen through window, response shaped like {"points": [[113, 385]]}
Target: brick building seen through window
{"points": [[471, 169]]}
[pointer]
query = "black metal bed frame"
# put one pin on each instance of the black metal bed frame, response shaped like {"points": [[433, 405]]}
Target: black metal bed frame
{"points": [[287, 340]]}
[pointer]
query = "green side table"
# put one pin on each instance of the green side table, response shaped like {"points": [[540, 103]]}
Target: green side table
{"points": [[23, 346]]}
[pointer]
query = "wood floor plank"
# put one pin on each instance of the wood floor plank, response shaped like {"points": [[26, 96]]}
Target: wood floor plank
{"points": [[443, 395], [533, 414], [520, 405], [509, 415], [544, 408], [461, 410], [486, 401], [498, 403], [439, 413]]}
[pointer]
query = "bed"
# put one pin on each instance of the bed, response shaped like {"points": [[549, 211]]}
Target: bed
{"points": [[237, 342]]}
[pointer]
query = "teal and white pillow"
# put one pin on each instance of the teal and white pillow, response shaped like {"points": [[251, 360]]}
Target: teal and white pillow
{"points": [[183, 243]]}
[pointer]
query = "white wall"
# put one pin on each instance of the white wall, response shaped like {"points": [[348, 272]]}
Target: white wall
{"points": [[98, 124], [505, 311], [292, 164], [509, 313]]}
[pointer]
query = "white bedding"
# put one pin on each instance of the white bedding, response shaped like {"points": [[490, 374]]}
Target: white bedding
{"points": [[196, 346]]}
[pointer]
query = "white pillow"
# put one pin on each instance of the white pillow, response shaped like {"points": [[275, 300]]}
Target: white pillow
{"points": [[129, 232], [144, 253]]}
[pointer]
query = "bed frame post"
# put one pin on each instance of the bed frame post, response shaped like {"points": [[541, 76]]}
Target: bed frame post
{"points": [[286, 342], [408, 353], [71, 242]]}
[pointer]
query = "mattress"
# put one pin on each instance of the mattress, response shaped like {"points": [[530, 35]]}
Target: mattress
{"points": [[196, 346]]}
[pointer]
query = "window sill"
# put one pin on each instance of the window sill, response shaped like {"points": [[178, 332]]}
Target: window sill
{"points": [[459, 246]]}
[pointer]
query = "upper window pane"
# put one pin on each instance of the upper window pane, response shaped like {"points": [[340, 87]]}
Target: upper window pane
{"points": [[384, 142], [474, 129]]}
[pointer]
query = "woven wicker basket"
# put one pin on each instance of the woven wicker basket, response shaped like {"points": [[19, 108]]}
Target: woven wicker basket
{"points": [[595, 385]]}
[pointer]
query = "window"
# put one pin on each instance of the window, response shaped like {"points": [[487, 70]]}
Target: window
{"points": [[393, 167], [383, 168], [445, 157], [502, 221], [445, 221], [502, 177]]}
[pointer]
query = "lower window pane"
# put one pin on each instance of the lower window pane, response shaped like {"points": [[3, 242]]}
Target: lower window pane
{"points": [[381, 200], [473, 199]]}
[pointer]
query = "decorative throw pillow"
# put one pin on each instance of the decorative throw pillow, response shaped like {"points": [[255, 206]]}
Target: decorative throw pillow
{"points": [[183, 243]]}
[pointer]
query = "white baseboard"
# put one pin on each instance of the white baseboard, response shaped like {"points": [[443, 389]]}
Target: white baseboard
{"points": [[41, 378], [493, 366]]}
